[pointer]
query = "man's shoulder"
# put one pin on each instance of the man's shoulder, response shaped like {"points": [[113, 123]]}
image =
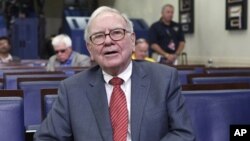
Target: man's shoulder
{"points": [[79, 55], [156, 24], [52, 58]]}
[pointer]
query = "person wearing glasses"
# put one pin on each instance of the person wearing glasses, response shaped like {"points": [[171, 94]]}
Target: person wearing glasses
{"points": [[64, 55], [118, 99]]}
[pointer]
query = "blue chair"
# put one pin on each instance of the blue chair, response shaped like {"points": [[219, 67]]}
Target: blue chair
{"points": [[212, 112], [227, 70], [48, 102], [11, 119], [219, 80], [183, 75], [21, 69], [32, 98], [48, 97], [11, 79], [1, 83]]}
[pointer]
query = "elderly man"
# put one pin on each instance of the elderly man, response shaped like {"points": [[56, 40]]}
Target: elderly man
{"points": [[119, 99], [141, 50], [65, 56], [5, 56]]}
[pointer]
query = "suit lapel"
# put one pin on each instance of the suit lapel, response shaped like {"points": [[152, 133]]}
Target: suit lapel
{"points": [[98, 99], [140, 87]]}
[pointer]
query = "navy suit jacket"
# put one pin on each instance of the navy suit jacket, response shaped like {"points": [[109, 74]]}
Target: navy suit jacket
{"points": [[81, 112]]}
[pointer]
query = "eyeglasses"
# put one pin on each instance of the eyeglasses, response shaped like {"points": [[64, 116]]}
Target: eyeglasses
{"points": [[60, 51], [115, 34]]}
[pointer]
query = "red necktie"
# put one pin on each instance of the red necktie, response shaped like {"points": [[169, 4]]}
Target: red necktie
{"points": [[118, 111]]}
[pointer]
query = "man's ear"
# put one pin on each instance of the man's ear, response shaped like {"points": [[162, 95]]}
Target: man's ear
{"points": [[89, 48], [132, 37]]}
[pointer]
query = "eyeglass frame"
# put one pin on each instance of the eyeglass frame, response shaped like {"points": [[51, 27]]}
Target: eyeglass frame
{"points": [[103, 33], [60, 51]]}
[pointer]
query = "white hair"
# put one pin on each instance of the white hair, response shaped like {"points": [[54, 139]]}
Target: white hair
{"points": [[105, 9], [62, 38]]}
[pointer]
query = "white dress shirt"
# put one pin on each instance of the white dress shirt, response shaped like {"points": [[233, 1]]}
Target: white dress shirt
{"points": [[7, 59], [126, 87]]}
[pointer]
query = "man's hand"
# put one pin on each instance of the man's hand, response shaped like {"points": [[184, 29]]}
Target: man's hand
{"points": [[170, 58]]}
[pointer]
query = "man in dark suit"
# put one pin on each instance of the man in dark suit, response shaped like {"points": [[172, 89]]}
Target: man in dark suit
{"points": [[148, 104]]}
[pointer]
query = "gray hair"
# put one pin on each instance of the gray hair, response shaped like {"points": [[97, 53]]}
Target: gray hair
{"points": [[105, 9], [165, 6], [62, 38]]}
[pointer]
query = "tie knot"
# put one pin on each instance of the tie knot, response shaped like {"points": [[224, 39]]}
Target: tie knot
{"points": [[116, 81]]}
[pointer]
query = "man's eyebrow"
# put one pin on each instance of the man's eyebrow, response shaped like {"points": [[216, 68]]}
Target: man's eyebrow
{"points": [[109, 30]]}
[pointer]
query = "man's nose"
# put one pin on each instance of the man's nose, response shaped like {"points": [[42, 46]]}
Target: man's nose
{"points": [[108, 39]]}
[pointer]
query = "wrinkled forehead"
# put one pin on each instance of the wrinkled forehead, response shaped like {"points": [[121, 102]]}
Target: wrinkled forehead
{"points": [[106, 21]]}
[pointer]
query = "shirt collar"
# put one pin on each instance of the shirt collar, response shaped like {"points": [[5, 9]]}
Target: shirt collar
{"points": [[7, 59], [69, 60], [125, 75]]}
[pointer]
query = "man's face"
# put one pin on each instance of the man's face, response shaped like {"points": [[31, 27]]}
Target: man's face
{"points": [[4, 46], [141, 51], [111, 55], [62, 52], [167, 14]]}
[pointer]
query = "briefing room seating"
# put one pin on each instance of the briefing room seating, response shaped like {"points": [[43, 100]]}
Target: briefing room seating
{"points": [[140, 28], [32, 98], [48, 97], [212, 112], [11, 116], [183, 74], [219, 78], [11, 78], [198, 68], [1, 83], [223, 86], [24, 38], [227, 70], [12, 69]]}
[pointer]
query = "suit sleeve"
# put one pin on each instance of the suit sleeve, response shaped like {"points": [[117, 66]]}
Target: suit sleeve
{"points": [[180, 124], [56, 127]]}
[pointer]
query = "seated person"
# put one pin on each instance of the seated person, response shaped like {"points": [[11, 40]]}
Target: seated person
{"points": [[65, 56], [141, 51], [5, 56]]}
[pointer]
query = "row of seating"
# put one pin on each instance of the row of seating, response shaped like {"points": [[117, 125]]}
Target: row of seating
{"points": [[12, 114], [202, 75], [211, 112]]}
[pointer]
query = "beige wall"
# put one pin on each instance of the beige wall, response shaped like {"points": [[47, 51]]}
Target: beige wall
{"points": [[210, 40]]}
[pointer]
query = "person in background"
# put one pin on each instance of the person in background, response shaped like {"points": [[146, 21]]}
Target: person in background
{"points": [[166, 37], [65, 56], [141, 50], [5, 56], [118, 99]]}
